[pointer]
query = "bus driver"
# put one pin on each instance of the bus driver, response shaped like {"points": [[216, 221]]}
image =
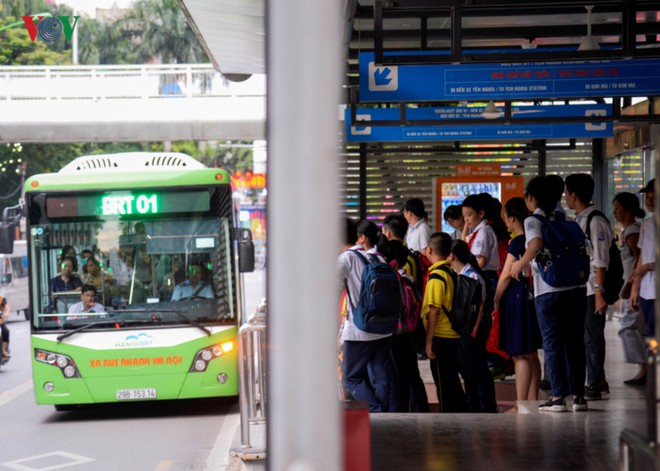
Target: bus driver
{"points": [[194, 286], [86, 305]]}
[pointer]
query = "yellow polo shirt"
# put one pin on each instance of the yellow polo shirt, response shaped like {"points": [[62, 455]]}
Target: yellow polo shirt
{"points": [[438, 294]]}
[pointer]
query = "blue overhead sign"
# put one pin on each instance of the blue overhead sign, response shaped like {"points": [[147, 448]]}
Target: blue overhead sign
{"points": [[365, 132], [581, 79]]}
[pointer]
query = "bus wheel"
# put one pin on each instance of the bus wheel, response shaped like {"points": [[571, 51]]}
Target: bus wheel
{"points": [[65, 407]]}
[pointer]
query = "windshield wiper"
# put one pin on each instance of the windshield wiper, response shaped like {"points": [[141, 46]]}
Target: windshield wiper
{"points": [[174, 311], [94, 324], [188, 320]]}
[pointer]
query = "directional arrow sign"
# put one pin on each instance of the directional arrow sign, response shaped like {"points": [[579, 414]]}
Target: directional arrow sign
{"points": [[580, 79], [383, 78]]}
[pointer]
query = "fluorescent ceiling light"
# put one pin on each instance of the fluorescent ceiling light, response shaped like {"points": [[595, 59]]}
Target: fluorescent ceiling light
{"points": [[589, 43], [528, 44], [491, 111]]}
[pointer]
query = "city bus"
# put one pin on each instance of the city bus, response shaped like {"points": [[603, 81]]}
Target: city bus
{"points": [[154, 223]]}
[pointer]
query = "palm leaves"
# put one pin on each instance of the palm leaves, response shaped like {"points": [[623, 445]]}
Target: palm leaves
{"points": [[161, 33]]}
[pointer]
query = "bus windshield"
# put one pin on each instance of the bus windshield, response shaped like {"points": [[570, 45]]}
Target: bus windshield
{"points": [[146, 269]]}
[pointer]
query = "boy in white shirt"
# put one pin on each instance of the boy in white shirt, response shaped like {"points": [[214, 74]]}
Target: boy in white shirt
{"points": [[643, 277], [579, 191]]}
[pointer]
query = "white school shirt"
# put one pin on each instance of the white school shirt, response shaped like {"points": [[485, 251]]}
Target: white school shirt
{"points": [[601, 239], [533, 230], [647, 244], [627, 258], [418, 236], [469, 271], [350, 268], [484, 244]]}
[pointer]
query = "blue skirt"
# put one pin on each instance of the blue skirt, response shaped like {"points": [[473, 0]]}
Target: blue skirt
{"points": [[519, 326]]}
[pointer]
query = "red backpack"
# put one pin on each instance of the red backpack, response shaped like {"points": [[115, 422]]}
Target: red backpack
{"points": [[412, 302]]}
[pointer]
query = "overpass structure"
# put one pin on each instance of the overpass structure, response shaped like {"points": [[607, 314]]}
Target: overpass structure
{"points": [[128, 103]]}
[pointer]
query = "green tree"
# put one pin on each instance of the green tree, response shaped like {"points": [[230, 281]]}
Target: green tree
{"points": [[16, 48], [104, 43], [234, 156], [162, 33]]}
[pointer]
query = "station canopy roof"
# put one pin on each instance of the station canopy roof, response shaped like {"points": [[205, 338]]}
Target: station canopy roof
{"points": [[233, 31]]}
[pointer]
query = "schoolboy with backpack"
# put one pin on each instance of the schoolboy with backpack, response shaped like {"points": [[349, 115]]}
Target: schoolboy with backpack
{"points": [[579, 191], [473, 324], [560, 309], [442, 341], [411, 389], [367, 332], [395, 226]]}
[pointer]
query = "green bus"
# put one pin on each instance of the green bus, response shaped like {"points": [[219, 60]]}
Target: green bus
{"points": [[154, 233]]}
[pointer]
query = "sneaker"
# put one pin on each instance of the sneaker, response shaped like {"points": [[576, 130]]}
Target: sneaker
{"points": [[592, 392], [580, 404], [558, 405], [604, 390]]}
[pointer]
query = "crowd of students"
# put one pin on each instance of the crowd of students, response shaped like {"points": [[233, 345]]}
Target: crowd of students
{"points": [[499, 247]]}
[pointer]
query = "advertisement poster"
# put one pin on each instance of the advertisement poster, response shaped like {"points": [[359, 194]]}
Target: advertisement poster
{"points": [[474, 179]]}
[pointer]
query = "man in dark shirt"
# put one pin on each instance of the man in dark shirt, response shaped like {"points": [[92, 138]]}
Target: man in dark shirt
{"points": [[65, 281]]}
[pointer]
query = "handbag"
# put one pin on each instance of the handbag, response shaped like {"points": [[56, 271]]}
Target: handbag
{"points": [[493, 342]]}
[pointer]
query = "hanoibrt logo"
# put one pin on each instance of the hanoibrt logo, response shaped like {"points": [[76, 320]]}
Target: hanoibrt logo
{"points": [[135, 341], [50, 28]]}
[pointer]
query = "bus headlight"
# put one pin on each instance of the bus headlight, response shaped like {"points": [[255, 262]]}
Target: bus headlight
{"points": [[66, 365], [69, 371], [206, 355]]}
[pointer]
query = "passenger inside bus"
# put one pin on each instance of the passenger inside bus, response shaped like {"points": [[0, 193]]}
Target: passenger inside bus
{"points": [[65, 282], [87, 304], [195, 286], [101, 280], [68, 251]]}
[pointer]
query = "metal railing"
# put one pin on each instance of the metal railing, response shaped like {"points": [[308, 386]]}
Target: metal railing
{"points": [[101, 82], [253, 384], [637, 452]]}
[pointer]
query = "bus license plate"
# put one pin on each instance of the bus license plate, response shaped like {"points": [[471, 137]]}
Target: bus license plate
{"points": [[128, 394]]}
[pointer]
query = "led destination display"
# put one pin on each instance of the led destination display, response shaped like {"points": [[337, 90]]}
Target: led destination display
{"points": [[127, 203]]}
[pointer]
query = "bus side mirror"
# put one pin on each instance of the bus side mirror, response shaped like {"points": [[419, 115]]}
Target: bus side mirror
{"points": [[6, 237], [245, 250]]}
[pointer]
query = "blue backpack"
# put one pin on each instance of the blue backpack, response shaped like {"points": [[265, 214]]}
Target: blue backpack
{"points": [[564, 260], [380, 305]]}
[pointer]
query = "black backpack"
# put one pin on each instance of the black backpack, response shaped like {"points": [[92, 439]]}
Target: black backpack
{"points": [[466, 301], [614, 274]]}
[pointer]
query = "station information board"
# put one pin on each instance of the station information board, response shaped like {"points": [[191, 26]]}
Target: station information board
{"points": [[575, 79]]}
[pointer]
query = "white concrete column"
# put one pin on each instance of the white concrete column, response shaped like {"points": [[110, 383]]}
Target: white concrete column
{"points": [[304, 79]]}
